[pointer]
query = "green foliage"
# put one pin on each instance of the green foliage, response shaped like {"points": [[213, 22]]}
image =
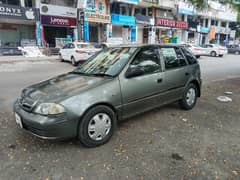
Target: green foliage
{"points": [[199, 4]]}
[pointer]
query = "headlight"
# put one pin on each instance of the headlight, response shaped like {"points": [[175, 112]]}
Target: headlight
{"points": [[49, 109]]}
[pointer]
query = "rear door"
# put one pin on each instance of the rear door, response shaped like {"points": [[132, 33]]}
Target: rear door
{"points": [[70, 51], [176, 72]]}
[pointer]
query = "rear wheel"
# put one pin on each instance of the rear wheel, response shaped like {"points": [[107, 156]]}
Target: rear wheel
{"points": [[220, 55], [189, 98], [73, 61], [213, 54], [97, 126]]}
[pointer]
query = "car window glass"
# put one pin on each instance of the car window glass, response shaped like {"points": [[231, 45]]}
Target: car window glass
{"points": [[147, 60], [189, 56], [180, 56], [71, 46], [87, 46], [170, 58], [65, 46]]}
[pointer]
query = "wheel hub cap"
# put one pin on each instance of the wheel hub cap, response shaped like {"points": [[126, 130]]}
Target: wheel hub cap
{"points": [[191, 96], [99, 126]]}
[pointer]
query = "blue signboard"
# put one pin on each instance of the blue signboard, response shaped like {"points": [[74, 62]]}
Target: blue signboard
{"points": [[131, 1], [133, 34], [123, 20], [38, 33], [86, 31], [204, 30], [185, 11]]}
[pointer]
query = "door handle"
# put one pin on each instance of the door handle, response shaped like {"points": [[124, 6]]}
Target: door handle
{"points": [[159, 80], [187, 74]]}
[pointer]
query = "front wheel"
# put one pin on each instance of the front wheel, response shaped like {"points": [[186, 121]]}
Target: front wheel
{"points": [[189, 98], [97, 126]]}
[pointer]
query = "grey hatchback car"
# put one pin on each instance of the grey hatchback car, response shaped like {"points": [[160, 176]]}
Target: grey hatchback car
{"points": [[113, 85]]}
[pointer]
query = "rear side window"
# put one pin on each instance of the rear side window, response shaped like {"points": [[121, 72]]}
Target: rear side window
{"points": [[87, 46], [189, 56]]}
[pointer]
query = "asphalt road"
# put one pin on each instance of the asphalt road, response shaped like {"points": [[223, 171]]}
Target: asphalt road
{"points": [[166, 143]]}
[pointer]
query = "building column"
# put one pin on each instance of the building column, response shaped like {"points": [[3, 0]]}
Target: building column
{"points": [[218, 35], [209, 27], [185, 32], [22, 3], [37, 3]]}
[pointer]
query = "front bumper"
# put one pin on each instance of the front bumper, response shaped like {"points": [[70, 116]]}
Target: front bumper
{"points": [[47, 127]]}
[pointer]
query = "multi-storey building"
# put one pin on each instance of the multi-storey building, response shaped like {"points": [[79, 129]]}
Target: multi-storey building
{"points": [[17, 23], [54, 22]]}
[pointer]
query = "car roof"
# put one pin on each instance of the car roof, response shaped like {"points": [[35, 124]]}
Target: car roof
{"points": [[147, 45]]}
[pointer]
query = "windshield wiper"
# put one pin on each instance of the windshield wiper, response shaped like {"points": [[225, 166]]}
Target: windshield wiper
{"points": [[77, 72], [102, 75]]}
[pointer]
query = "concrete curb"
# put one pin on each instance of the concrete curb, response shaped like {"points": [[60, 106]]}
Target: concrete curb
{"points": [[12, 59]]}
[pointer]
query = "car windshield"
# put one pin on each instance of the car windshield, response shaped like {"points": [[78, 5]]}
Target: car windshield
{"points": [[108, 62]]}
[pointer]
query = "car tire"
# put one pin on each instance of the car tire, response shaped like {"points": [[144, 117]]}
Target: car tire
{"points": [[220, 55], [189, 98], [73, 61], [101, 117], [213, 54], [60, 57]]}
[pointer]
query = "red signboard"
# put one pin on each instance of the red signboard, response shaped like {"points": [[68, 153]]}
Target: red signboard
{"points": [[58, 21], [171, 23]]}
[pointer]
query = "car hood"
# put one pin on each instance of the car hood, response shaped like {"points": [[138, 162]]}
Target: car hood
{"points": [[61, 87]]}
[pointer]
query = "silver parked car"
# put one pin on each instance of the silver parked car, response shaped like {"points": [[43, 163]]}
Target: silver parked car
{"points": [[115, 84]]}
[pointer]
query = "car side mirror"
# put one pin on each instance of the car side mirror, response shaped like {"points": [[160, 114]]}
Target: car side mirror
{"points": [[134, 71]]}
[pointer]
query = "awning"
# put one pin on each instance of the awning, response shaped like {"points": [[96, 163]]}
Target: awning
{"points": [[141, 19]]}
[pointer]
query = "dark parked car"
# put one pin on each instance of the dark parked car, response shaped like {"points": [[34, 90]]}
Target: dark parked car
{"points": [[112, 85], [233, 49]]}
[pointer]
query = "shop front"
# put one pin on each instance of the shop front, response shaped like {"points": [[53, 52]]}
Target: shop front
{"points": [[169, 31], [17, 26], [123, 27], [93, 20], [145, 29], [58, 25]]}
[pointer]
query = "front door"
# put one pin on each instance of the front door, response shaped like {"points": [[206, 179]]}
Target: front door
{"points": [[140, 91]]}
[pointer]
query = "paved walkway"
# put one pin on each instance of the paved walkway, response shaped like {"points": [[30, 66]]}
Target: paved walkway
{"points": [[5, 59]]}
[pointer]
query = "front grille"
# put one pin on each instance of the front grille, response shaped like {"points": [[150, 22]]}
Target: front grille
{"points": [[26, 103]]}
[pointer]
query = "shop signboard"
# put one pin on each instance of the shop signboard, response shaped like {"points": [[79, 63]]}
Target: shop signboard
{"points": [[38, 33], [171, 23], [58, 21], [16, 12], [123, 20], [185, 8], [129, 1], [96, 17], [53, 10], [134, 34], [86, 31], [204, 30]]}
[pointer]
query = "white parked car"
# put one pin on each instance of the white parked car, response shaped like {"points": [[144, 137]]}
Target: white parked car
{"points": [[215, 50], [196, 50], [77, 52]]}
